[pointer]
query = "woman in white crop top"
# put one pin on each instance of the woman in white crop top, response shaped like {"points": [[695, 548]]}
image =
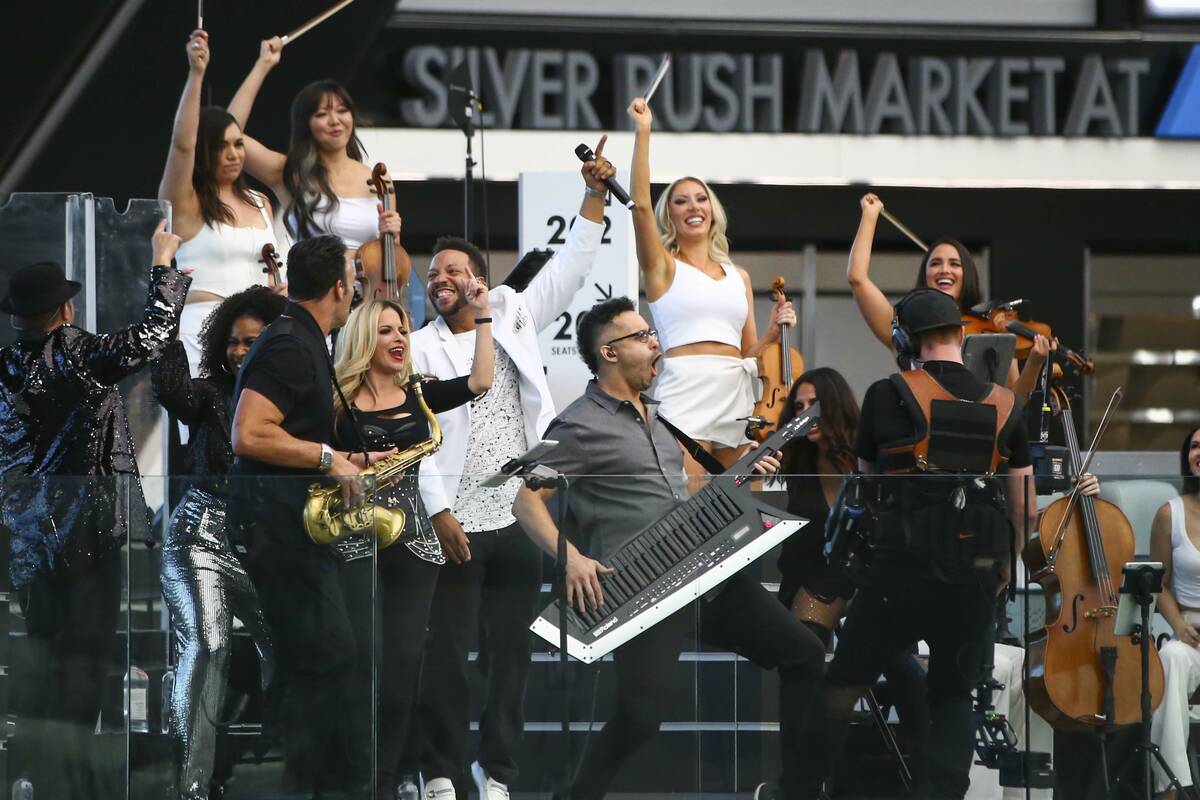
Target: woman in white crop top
{"points": [[224, 225], [702, 305], [322, 181], [1175, 541]]}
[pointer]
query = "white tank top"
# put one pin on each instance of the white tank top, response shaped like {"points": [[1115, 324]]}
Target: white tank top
{"points": [[1185, 559], [355, 219], [697, 308], [227, 259]]}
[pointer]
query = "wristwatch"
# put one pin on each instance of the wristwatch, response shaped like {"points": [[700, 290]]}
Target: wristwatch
{"points": [[326, 462]]}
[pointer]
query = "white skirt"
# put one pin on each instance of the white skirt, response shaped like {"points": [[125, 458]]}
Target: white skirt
{"points": [[704, 396], [191, 322]]}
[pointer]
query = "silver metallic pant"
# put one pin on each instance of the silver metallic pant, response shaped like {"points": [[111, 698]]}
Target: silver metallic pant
{"points": [[205, 587]]}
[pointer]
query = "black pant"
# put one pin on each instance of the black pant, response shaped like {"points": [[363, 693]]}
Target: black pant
{"points": [[501, 583], [71, 624], [895, 608], [404, 592], [304, 604], [743, 617]]}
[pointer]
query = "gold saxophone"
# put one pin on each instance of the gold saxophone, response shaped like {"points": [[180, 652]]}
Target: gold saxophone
{"points": [[327, 520]]}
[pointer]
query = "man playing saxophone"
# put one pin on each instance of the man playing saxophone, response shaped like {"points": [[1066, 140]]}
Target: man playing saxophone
{"points": [[282, 429], [372, 364]]}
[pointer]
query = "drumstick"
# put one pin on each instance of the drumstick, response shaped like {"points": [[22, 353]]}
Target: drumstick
{"points": [[200, 15], [314, 22], [900, 226], [658, 76]]}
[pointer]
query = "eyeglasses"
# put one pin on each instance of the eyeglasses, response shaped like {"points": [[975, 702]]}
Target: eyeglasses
{"points": [[642, 336]]}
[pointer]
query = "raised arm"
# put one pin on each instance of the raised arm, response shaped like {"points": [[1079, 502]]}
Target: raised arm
{"points": [[174, 388], [658, 267], [262, 162], [176, 184], [108, 358], [872, 303], [480, 379]]}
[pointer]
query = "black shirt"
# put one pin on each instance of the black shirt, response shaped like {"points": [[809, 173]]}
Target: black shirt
{"points": [[289, 366], [884, 418]]}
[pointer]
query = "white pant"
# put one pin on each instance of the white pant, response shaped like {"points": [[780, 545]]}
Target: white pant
{"points": [[1169, 730], [1010, 701]]}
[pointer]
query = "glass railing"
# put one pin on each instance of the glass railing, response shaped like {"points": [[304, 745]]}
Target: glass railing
{"points": [[212, 645]]}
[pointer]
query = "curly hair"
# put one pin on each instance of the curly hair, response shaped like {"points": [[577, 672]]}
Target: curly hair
{"points": [[257, 302], [839, 423]]}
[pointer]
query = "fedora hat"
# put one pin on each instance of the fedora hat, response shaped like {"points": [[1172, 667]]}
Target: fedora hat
{"points": [[36, 289]]}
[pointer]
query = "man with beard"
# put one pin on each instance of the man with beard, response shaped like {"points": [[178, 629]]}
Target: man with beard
{"points": [[492, 569], [626, 472]]}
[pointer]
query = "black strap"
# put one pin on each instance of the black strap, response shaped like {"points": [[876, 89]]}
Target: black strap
{"points": [[693, 448]]}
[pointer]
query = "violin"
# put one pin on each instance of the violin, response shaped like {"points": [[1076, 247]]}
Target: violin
{"points": [[1002, 318], [382, 264], [778, 367], [272, 266], [1082, 675]]}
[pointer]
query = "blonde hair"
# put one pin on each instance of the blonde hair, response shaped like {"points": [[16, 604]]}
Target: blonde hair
{"points": [[718, 244], [356, 347]]}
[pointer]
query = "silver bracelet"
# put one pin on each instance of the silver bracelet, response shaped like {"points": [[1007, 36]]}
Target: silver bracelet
{"points": [[590, 192]]}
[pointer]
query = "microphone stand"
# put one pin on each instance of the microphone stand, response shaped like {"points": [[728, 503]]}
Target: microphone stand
{"points": [[469, 174]]}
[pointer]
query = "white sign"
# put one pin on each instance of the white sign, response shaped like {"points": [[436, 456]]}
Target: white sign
{"points": [[549, 203]]}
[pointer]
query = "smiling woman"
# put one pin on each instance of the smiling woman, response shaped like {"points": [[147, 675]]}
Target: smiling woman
{"points": [[702, 304], [224, 225]]}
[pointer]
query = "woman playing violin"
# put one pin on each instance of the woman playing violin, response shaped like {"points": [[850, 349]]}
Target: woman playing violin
{"points": [[948, 267], [321, 180]]}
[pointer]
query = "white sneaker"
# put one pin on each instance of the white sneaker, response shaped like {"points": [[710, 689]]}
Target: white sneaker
{"points": [[488, 789], [439, 789]]}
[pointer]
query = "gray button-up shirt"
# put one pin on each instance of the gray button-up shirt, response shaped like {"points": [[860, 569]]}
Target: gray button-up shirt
{"points": [[625, 473]]}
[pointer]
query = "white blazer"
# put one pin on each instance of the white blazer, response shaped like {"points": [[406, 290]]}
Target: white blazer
{"points": [[516, 320]]}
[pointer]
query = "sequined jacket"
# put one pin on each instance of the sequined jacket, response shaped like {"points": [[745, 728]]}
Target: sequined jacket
{"points": [[205, 406], [69, 481]]}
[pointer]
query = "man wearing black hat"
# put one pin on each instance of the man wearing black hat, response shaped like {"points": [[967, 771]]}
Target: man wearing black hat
{"points": [[71, 497], [934, 437]]}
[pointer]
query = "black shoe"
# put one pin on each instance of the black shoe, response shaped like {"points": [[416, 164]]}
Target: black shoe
{"points": [[766, 791]]}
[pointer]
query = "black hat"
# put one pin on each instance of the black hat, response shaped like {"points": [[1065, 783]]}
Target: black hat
{"points": [[927, 309], [37, 288]]}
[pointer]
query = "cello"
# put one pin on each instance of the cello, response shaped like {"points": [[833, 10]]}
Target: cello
{"points": [[1082, 675], [778, 367], [382, 263]]}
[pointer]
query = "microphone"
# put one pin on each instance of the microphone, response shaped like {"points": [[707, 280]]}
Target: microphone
{"points": [[585, 154]]}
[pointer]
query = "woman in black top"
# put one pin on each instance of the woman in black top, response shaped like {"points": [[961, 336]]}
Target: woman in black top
{"points": [[372, 366], [204, 584]]}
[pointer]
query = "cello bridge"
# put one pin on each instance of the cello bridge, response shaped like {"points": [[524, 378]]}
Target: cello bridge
{"points": [[1101, 612]]}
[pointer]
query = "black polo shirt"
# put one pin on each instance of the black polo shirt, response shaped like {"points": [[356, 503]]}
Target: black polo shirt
{"points": [[290, 366], [885, 419]]}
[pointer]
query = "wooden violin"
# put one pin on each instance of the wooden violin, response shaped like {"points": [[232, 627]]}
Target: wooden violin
{"points": [[383, 264], [1002, 318], [1082, 674], [778, 367], [272, 266]]}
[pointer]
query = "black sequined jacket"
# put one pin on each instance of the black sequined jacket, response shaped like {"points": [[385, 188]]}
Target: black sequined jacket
{"points": [[69, 481], [205, 406]]}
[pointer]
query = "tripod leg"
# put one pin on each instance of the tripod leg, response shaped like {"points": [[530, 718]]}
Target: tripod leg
{"points": [[1173, 782], [889, 740]]}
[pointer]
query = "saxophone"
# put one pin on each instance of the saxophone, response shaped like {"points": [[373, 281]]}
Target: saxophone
{"points": [[326, 518]]}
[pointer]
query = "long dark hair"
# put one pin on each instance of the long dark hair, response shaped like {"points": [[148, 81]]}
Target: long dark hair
{"points": [[839, 423], [210, 140], [971, 293], [1191, 482], [258, 302], [304, 175]]}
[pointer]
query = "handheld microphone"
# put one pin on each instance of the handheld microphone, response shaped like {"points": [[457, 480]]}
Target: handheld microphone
{"points": [[585, 154]]}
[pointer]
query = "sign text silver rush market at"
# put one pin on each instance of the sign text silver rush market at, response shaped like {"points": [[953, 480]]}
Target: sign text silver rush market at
{"points": [[717, 91]]}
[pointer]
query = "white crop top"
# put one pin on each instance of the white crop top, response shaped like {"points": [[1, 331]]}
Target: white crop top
{"points": [[226, 259], [1185, 559], [697, 308], [355, 219]]}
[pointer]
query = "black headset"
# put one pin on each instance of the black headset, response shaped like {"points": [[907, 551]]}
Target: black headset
{"points": [[903, 341]]}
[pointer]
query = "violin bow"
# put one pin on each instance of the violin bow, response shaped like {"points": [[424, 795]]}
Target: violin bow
{"points": [[658, 76], [314, 22], [900, 226], [1113, 402], [200, 15]]}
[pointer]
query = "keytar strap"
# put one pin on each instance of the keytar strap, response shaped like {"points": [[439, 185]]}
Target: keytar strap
{"points": [[693, 448]]}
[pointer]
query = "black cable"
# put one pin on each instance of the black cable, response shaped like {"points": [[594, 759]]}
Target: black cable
{"points": [[487, 231]]}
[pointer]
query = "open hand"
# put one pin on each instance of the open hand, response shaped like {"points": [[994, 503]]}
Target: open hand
{"points": [[583, 581]]}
